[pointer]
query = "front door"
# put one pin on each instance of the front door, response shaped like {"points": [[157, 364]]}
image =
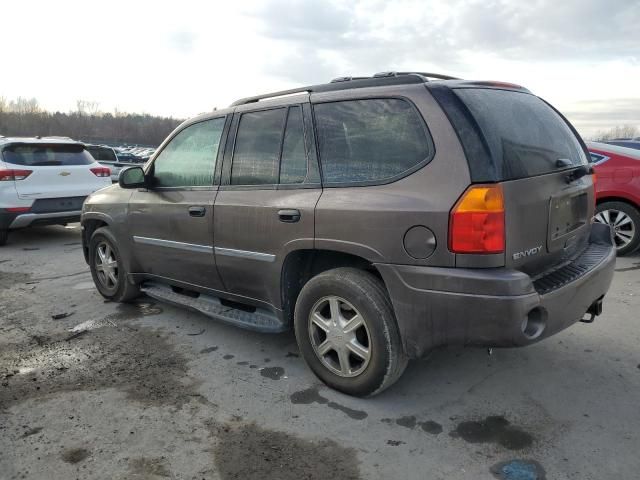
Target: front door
{"points": [[171, 222], [265, 209]]}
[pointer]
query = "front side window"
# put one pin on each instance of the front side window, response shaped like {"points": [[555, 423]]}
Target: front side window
{"points": [[373, 140], [189, 159]]}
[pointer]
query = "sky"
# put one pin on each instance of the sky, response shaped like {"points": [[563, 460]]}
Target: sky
{"points": [[183, 58]]}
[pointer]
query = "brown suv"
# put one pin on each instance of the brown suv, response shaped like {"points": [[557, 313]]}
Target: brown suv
{"points": [[379, 217]]}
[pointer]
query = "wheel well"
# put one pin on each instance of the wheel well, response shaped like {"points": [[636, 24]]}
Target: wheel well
{"points": [[618, 199], [302, 265], [88, 227]]}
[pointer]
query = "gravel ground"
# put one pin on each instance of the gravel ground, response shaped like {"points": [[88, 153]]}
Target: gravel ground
{"points": [[147, 391]]}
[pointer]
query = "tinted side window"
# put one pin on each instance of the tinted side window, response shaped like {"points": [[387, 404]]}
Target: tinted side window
{"points": [[369, 140], [293, 166], [189, 159], [257, 151]]}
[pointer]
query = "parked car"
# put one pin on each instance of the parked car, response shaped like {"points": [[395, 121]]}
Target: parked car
{"points": [[44, 181], [618, 192], [635, 144], [107, 156], [126, 157], [377, 217]]}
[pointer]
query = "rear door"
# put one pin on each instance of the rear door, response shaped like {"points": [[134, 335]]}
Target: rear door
{"points": [[171, 222], [58, 170], [535, 154], [265, 207]]}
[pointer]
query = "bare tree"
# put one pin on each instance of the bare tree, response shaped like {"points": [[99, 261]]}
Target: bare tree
{"points": [[25, 117], [619, 131]]}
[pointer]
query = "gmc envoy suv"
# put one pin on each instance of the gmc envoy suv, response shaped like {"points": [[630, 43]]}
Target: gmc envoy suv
{"points": [[379, 217]]}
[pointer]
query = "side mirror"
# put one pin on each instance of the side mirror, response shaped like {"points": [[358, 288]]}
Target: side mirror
{"points": [[132, 177]]}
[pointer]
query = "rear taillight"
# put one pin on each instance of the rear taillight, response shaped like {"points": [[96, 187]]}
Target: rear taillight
{"points": [[8, 175], [476, 222], [18, 209], [101, 171]]}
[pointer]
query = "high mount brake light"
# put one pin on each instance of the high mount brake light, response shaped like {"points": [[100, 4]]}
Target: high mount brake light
{"points": [[12, 174], [476, 222], [101, 171]]}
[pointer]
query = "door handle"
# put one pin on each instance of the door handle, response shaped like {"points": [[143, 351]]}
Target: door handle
{"points": [[197, 211], [289, 215]]}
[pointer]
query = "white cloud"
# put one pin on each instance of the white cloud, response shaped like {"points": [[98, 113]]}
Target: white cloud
{"points": [[185, 58]]}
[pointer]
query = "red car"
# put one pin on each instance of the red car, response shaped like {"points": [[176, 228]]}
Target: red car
{"points": [[618, 192]]}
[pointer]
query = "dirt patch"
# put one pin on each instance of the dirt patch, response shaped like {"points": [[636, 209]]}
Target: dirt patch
{"points": [[75, 455], [148, 467], [9, 279], [494, 429], [139, 361], [249, 452]]}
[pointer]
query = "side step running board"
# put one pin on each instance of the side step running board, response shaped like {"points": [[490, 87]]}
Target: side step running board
{"points": [[261, 320]]}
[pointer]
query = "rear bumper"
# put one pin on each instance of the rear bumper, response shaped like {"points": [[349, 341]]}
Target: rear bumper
{"points": [[496, 307], [11, 221]]}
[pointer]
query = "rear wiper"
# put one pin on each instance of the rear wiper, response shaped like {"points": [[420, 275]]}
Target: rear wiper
{"points": [[578, 173]]}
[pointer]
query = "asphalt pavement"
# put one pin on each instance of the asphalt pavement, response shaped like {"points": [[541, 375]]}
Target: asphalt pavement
{"points": [[92, 389]]}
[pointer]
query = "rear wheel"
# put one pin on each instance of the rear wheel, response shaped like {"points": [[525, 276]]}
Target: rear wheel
{"points": [[4, 235], [107, 269], [347, 332], [624, 221]]}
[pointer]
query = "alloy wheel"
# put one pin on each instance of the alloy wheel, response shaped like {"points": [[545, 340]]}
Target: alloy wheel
{"points": [[622, 225], [339, 336], [106, 265]]}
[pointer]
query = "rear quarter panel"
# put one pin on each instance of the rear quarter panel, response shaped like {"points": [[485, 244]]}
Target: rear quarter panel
{"points": [[371, 221]]}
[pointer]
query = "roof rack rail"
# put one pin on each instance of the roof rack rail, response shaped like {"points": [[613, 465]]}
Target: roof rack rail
{"points": [[345, 83], [438, 76], [281, 93]]}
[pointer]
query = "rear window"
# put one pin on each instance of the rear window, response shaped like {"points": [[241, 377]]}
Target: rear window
{"points": [[370, 141], [525, 136], [102, 154], [46, 155]]}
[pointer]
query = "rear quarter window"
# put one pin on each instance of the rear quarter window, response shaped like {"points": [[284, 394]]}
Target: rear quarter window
{"points": [[370, 141], [40, 155], [525, 136]]}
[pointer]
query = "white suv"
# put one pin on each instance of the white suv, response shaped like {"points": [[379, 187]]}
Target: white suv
{"points": [[44, 181]]}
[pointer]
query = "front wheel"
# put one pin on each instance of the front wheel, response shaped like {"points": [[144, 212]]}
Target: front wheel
{"points": [[624, 221], [347, 332], [107, 268]]}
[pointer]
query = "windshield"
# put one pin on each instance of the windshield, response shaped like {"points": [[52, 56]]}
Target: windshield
{"points": [[46, 155], [525, 136], [102, 154]]}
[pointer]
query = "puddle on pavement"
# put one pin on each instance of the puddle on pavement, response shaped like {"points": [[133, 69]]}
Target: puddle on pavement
{"points": [[311, 395], [410, 422], [274, 373], [249, 452], [493, 429]]}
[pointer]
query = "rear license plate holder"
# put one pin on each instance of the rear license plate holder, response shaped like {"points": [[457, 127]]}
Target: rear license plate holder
{"points": [[566, 215]]}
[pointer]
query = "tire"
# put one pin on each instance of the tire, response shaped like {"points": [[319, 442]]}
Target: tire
{"points": [[355, 292], [4, 235], [624, 220], [120, 290]]}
